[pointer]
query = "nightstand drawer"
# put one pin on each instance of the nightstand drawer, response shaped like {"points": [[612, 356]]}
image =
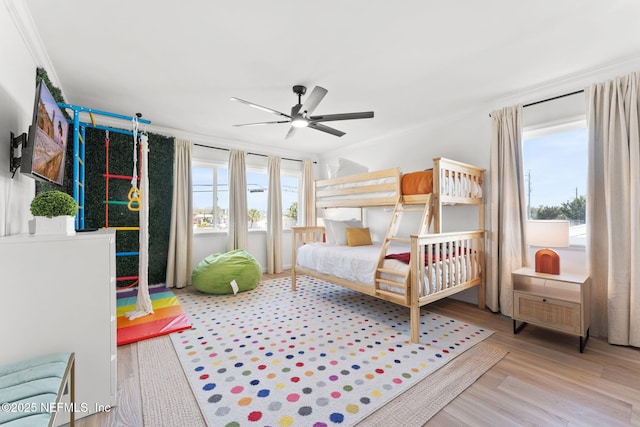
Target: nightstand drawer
{"points": [[548, 312]]}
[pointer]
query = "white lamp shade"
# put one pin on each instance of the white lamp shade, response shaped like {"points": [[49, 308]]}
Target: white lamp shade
{"points": [[548, 233]]}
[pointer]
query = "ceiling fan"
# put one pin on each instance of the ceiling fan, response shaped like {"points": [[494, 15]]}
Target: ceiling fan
{"points": [[300, 113]]}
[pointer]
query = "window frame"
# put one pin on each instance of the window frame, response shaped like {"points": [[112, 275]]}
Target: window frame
{"points": [[297, 174], [215, 165], [542, 129]]}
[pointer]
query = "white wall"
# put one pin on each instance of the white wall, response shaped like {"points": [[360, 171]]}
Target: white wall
{"points": [[17, 92], [463, 137], [466, 137], [207, 243]]}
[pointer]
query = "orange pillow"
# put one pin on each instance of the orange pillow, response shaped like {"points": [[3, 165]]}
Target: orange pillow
{"points": [[417, 182], [358, 236]]}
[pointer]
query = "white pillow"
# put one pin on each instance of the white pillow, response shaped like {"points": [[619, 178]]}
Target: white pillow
{"points": [[339, 230], [347, 167], [328, 230]]}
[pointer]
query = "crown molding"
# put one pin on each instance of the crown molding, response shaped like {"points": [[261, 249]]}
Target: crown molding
{"points": [[207, 140], [228, 143], [26, 26], [571, 82]]}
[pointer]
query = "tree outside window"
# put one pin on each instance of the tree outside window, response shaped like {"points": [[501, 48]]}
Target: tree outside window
{"points": [[254, 216]]}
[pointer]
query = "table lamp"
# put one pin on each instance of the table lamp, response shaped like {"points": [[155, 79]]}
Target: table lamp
{"points": [[548, 234]]}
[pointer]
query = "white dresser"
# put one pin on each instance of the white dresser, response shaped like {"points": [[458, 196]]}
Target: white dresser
{"points": [[58, 293]]}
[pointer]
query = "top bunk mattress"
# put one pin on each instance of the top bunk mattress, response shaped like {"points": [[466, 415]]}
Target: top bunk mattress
{"points": [[458, 184]]}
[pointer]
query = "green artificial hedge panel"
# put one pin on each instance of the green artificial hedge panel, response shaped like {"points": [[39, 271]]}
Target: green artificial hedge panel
{"points": [[121, 163], [160, 188]]}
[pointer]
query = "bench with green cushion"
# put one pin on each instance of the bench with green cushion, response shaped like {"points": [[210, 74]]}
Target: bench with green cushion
{"points": [[31, 389], [214, 273]]}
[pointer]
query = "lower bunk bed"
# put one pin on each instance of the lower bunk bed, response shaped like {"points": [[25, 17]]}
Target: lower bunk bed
{"points": [[452, 262]]}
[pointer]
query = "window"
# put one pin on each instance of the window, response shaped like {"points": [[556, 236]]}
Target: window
{"points": [[257, 193], [290, 185], [210, 198], [555, 167]]}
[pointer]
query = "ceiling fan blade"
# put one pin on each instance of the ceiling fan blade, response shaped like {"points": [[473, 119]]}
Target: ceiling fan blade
{"points": [[295, 109], [313, 99], [344, 116], [327, 129], [292, 131], [260, 107], [262, 123]]}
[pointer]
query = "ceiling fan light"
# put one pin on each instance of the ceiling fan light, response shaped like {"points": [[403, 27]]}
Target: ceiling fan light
{"points": [[299, 122]]}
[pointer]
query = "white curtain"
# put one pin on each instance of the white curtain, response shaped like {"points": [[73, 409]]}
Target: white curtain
{"points": [[274, 217], [308, 203], [507, 250], [613, 208], [181, 228], [238, 217]]}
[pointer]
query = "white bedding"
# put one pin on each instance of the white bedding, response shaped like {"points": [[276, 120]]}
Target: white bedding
{"points": [[355, 263], [358, 264], [460, 187]]}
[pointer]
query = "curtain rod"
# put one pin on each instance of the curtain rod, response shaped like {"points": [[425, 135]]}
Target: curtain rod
{"points": [[253, 154], [553, 98], [550, 99]]}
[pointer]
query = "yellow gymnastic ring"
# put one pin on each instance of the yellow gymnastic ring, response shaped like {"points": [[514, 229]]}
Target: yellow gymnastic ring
{"points": [[134, 197]]}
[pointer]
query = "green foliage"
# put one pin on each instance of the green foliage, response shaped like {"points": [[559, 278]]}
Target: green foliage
{"points": [[121, 163], [41, 75], [253, 216], [292, 212], [53, 203], [160, 189], [549, 212], [575, 209]]}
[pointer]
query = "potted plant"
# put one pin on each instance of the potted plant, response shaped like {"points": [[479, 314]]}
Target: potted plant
{"points": [[54, 213]]}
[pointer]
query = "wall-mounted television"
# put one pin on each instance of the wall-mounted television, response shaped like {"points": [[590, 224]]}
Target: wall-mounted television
{"points": [[44, 151]]}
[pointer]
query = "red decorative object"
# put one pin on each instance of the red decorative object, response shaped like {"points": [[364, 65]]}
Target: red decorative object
{"points": [[547, 261]]}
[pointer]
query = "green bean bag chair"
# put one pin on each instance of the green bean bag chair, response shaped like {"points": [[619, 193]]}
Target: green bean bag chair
{"points": [[214, 273]]}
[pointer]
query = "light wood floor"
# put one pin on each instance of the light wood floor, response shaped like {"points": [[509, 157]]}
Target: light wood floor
{"points": [[543, 381]]}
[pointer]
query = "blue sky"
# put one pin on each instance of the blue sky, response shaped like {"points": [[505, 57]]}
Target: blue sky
{"points": [[557, 164], [257, 185]]}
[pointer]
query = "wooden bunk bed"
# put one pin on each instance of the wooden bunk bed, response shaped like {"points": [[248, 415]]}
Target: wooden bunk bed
{"points": [[452, 261]]}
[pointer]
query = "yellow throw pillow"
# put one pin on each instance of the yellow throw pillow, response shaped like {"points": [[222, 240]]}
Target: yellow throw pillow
{"points": [[358, 236]]}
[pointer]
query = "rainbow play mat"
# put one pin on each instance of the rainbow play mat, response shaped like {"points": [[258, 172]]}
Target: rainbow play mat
{"points": [[168, 316]]}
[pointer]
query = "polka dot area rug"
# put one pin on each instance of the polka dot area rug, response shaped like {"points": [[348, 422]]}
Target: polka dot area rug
{"points": [[320, 356]]}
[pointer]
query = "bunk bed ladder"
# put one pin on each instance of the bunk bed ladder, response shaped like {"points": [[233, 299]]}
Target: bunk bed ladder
{"points": [[392, 236]]}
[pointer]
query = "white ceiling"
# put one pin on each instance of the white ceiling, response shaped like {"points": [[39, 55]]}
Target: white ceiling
{"points": [[179, 62]]}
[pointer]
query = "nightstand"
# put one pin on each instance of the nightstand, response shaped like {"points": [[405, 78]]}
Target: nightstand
{"points": [[556, 301]]}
